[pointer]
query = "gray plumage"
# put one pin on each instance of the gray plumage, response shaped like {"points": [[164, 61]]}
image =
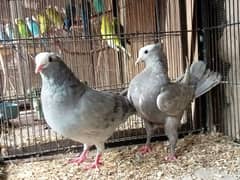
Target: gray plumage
{"points": [[161, 102], [73, 109]]}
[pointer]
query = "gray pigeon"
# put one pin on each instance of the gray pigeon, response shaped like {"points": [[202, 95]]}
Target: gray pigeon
{"points": [[161, 102], [76, 111]]}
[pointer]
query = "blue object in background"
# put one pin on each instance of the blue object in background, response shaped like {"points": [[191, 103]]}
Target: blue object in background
{"points": [[67, 24], [85, 14], [33, 27], [70, 15], [9, 31], [3, 35], [8, 110], [98, 6]]}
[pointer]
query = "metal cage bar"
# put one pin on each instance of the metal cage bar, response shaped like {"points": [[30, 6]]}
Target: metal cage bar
{"points": [[84, 33]]}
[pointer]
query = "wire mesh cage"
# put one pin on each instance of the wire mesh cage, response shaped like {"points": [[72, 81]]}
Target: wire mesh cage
{"points": [[99, 40], [222, 51]]}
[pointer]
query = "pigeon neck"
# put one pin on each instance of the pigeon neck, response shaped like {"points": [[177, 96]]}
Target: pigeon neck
{"points": [[61, 76], [158, 66]]}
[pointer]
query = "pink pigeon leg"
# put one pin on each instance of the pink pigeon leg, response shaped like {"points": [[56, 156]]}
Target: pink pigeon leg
{"points": [[170, 127], [145, 149], [171, 157], [96, 164], [82, 157]]}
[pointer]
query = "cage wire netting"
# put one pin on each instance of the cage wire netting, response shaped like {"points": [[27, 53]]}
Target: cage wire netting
{"points": [[221, 28], [99, 40]]}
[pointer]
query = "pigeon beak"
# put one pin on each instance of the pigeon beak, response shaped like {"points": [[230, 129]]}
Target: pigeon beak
{"points": [[138, 60], [39, 68]]}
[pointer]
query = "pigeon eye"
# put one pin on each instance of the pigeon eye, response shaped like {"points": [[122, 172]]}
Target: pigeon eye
{"points": [[50, 59], [146, 51]]}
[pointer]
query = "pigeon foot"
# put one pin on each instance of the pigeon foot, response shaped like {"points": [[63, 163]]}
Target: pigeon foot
{"points": [[145, 149], [171, 158], [79, 159], [96, 163]]}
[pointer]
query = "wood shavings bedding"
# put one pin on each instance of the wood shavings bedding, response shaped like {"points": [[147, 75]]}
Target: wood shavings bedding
{"points": [[199, 157]]}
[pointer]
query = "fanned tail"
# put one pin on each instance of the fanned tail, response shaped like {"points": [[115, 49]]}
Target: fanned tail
{"points": [[202, 78]]}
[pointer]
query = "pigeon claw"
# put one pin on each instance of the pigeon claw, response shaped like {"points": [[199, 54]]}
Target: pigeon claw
{"points": [[95, 165], [145, 149], [79, 159], [171, 158]]}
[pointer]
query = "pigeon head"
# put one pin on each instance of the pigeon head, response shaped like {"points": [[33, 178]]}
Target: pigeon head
{"points": [[149, 54], [45, 60]]}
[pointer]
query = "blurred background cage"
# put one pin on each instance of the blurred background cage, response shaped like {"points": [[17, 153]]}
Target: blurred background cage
{"points": [[99, 40]]}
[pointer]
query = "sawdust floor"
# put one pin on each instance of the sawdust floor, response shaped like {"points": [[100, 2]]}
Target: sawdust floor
{"points": [[199, 157]]}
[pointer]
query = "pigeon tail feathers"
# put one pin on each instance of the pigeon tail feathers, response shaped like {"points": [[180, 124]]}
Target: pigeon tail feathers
{"points": [[202, 78]]}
